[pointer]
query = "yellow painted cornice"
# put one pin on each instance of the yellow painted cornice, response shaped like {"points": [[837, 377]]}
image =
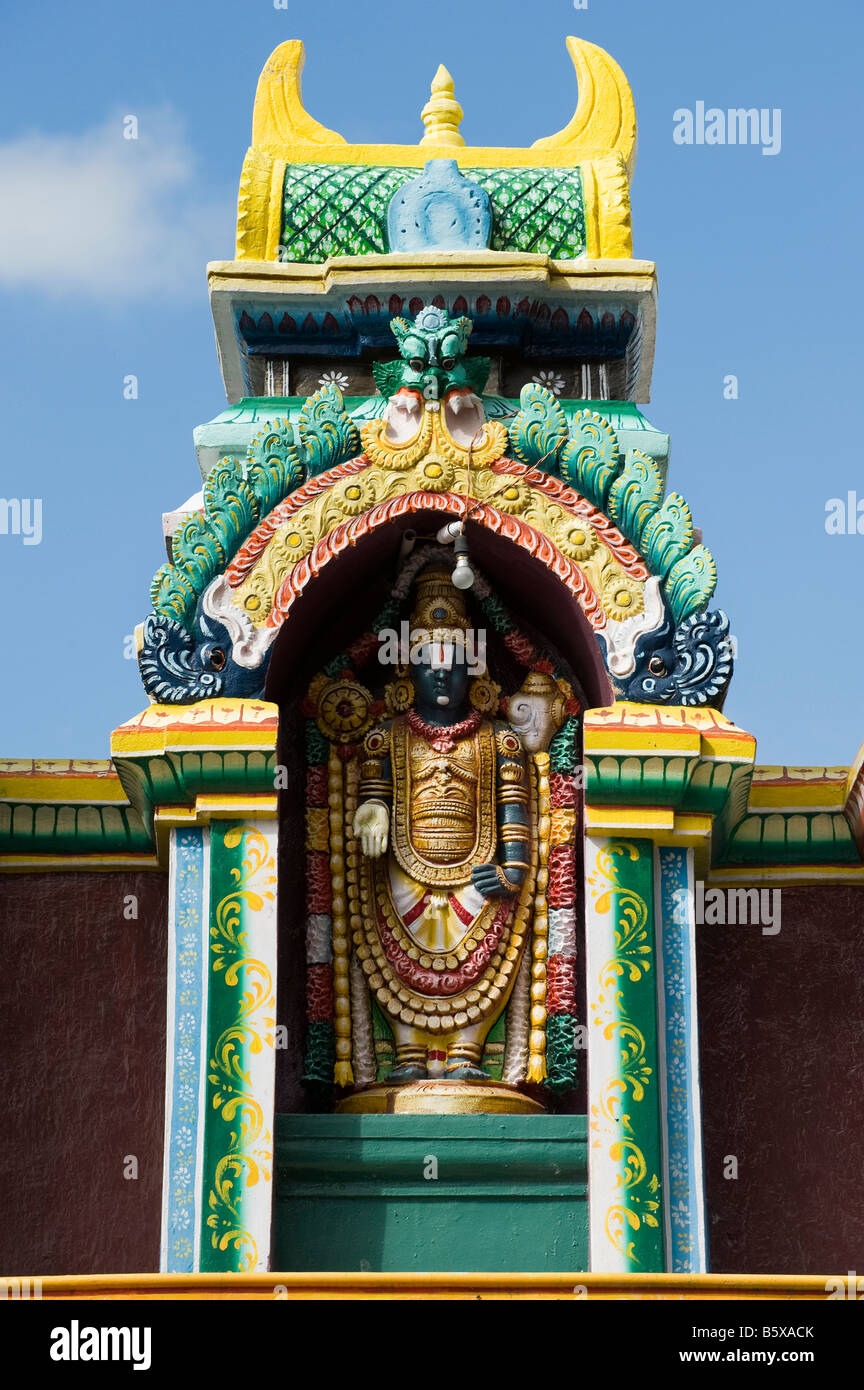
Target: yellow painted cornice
{"points": [[208, 807], [786, 875], [62, 781], [218, 724], [77, 863], [568, 1287], [629, 729], [303, 277]]}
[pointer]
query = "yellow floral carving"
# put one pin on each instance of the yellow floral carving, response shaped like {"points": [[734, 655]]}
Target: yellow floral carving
{"points": [[353, 496], [611, 1121], [434, 475], [576, 538], [343, 711], [563, 826], [621, 596], [434, 471], [249, 1155], [317, 828], [511, 496]]}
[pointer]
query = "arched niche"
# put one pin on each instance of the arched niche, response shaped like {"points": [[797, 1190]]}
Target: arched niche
{"points": [[331, 611]]}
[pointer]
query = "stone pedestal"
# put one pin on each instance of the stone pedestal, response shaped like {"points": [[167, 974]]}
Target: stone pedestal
{"points": [[390, 1193]]}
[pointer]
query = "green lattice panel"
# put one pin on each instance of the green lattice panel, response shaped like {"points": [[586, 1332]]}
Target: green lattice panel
{"points": [[535, 210], [337, 210], [341, 209]]}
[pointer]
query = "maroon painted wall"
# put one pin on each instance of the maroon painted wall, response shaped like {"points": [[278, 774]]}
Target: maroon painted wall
{"points": [[782, 1057], [82, 1042]]}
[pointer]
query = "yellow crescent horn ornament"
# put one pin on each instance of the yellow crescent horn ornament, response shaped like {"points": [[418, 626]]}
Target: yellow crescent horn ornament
{"points": [[604, 121], [279, 119]]}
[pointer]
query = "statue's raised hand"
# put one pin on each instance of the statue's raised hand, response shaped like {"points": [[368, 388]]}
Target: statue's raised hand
{"points": [[492, 881], [372, 828]]}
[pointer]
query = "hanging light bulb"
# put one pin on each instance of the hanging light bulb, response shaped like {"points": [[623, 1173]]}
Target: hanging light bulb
{"points": [[463, 575]]}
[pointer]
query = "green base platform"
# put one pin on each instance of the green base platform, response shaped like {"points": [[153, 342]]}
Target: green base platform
{"points": [[352, 1193]]}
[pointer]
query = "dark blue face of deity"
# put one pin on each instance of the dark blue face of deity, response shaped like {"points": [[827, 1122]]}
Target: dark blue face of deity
{"points": [[441, 686]]}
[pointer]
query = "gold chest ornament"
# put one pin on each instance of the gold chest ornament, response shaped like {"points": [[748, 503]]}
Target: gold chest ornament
{"points": [[444, 815]]}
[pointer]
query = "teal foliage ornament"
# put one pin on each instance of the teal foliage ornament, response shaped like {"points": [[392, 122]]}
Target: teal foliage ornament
{"points": [[173, 594], [198, 550], [432, 357], [316, 746], [691, 582], [668, 535], [591, 458], [238, 494], [328, 435], [230, 505], [320, 1054], [539, 429], [562, 749], [635, 494], [274, 467]]}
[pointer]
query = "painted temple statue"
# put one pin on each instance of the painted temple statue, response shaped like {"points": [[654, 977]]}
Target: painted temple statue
{"points": [[435, 763]]}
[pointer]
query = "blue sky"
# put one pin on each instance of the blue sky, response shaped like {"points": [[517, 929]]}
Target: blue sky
{"points": [[103, 244]]}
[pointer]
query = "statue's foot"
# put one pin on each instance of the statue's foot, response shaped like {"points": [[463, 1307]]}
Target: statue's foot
{"points": [[409, 1071], [463, 1071]]}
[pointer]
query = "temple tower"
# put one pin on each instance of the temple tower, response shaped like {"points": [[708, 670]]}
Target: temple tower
{"points": [[435, 761]]}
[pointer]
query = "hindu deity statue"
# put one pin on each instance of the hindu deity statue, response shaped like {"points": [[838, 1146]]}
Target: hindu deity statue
{"points": [[442, 822]]}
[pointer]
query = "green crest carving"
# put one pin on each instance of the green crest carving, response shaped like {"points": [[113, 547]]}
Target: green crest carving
{"points": [[635, 494], [691, 582], [668, 535], [238, 494], [539, 429], [590, 458]]}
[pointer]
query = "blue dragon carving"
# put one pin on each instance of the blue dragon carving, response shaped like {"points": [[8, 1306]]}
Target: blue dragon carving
{"points": [[690, 664]]}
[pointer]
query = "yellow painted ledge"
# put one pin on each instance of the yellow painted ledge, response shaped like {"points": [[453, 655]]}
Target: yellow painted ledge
{"points": [[60, 781], [77, 863], [575, 1286], [376, 268], [220, 725]]}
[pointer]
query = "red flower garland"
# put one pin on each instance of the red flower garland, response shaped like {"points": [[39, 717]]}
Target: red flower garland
{"points": [[443, 736]]}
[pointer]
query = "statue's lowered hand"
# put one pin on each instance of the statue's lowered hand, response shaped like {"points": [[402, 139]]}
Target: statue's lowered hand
{"points": [[491, 881], [372, 828]]}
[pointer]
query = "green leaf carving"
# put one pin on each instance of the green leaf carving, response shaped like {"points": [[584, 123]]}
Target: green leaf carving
{"points": [[238, 495], [668, 535], [591, 459], [691, 582], [197, 549], [539, 429], [635, 494], [173, 594], [231, 506], [273, 467], [328, 435]]}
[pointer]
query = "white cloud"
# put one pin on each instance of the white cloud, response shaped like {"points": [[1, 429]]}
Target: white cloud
{"points": [[110, 218]]}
